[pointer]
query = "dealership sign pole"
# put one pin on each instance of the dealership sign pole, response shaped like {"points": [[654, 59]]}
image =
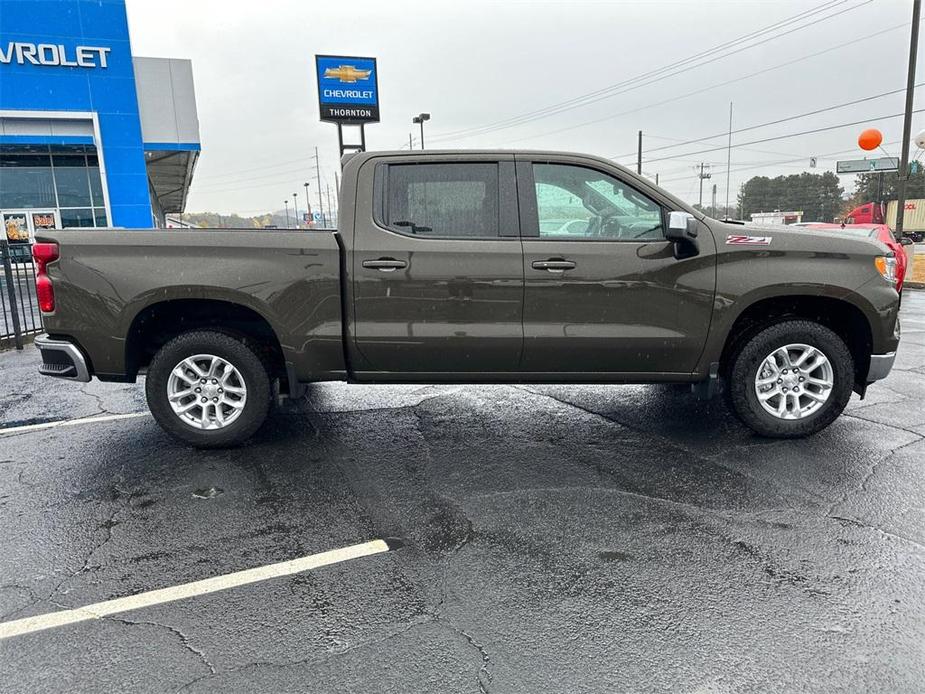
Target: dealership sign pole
{"points": [[348, 94]]}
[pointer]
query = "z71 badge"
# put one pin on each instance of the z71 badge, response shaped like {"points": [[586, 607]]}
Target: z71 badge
{"points": [[744, 240]]}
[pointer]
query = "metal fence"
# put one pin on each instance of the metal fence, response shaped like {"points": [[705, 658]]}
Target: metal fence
{"points": [[20, 306]]}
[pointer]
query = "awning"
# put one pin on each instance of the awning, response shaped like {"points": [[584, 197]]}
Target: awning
{"points": [[170, 171]]}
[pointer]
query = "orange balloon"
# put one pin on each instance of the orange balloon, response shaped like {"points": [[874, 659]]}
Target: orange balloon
{"points": [[870, 139]]}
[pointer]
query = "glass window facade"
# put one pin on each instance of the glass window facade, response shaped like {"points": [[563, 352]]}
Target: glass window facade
{"points": [[66, 179]]}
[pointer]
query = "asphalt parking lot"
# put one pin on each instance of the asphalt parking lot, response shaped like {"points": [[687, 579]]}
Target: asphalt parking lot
{"points": [[542, 539]]}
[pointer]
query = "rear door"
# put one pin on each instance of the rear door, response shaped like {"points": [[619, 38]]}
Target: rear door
{"points": [[438, 268], [604, 292]]}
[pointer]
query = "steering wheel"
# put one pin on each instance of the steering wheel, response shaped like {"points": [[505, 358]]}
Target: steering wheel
{"points": [[610, 226]]}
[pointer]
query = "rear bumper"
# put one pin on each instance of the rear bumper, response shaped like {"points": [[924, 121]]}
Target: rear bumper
{"points": [[880, 366], [62, 359]]}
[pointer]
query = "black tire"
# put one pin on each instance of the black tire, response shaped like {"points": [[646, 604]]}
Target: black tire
{"points": [[248, 363], [748, 358]]}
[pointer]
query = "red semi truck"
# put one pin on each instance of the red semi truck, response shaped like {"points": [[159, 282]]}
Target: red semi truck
{"points": [[874, 213]]}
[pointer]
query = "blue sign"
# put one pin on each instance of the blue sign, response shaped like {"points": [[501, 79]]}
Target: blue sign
{"points": [[316, 216], [348, 89]]}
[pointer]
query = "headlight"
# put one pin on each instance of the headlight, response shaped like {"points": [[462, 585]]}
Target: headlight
{"points": [[886, 266]]}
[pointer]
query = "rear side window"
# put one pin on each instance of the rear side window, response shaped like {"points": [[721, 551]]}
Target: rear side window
{"points": [[441, 200]]}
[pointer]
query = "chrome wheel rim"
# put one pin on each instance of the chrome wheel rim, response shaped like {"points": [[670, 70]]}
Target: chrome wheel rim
{"points": [[206, 392], [794, 381]]}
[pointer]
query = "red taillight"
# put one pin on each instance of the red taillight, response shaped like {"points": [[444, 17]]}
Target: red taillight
{"points": [[42, 254]]}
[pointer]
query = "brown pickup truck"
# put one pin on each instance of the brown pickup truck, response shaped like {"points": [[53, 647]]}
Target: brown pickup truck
{"points": [[473, 267]]}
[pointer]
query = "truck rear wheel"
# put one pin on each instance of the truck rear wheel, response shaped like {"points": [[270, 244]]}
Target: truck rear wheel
{"points": [[208, 389], [791, 379]]}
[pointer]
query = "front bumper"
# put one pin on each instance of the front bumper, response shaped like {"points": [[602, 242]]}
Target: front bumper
{"points": [[62, 359], [880, 366]]}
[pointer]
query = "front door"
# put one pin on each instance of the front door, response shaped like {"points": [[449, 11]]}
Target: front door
{"points": [[604, 292], [437, 269]]}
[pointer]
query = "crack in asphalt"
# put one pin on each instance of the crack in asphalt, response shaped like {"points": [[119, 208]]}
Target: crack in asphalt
{"points": [[862, 487], [184, 639], [883, 424], [267, 664], [710, 460], [99, 400], [108, 525], [34, 599], [484, 675], [881, 531], [832, 508]]}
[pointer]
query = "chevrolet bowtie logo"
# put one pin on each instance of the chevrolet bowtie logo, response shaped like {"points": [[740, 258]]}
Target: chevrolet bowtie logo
{"points": [[347, 73]]}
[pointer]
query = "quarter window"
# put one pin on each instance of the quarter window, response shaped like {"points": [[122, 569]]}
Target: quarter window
{"points": [[578, 203], [443, 200]]}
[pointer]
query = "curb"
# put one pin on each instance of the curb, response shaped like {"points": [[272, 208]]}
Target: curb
{"points": [[9, 343]]}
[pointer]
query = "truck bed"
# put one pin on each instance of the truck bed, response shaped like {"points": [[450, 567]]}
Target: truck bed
{"points": [[107, 282]]}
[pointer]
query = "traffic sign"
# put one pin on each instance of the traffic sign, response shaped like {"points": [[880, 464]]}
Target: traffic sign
{"points": [[866, 165]]}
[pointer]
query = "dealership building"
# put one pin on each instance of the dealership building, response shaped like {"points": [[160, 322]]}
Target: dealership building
{"points": [[90, 135]]}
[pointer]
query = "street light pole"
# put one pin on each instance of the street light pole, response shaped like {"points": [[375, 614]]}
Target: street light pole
{"points": [[295, 210], [907, 121], [308, 204], [639, 155], [419, 119], [286, 203], [318, 177]]}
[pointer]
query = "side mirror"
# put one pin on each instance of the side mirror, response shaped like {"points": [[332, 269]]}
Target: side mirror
{"points": [[681, 227], [906, 241]]}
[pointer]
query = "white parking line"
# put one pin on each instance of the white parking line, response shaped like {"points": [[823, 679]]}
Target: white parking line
{"points": [[71, 422], [99, 610]]}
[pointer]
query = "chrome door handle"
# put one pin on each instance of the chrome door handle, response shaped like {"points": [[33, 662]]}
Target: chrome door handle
{"points": [[553, 265], [385, 264]]}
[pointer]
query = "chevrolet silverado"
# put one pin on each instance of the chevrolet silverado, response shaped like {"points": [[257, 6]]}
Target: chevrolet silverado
{"points": [[473, 267]]}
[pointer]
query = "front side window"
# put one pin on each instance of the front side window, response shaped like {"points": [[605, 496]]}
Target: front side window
{"points": [[443, 200], [578, 203]]}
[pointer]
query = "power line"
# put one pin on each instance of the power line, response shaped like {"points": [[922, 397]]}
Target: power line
{"points": [[652, 76], [256, 168], [784, 137], [775, 122], [738, 169], [578, 100], [221, 184], [848, 43]]}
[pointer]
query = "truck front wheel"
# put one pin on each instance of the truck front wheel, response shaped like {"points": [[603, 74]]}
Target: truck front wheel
{"points": [[208, 389], [791, 379]]}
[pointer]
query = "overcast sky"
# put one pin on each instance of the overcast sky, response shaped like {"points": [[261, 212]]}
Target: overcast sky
{"points": [[473, 64]]}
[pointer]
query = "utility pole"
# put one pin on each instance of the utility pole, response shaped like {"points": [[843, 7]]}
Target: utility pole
{"points": [[318, 178], [286, 203], [907, 121], [702, 176], [656, 179], [327, 190], [729, 156], [714, 202], [308, 204], [410, 144], [639, 155], [295, 210]]}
